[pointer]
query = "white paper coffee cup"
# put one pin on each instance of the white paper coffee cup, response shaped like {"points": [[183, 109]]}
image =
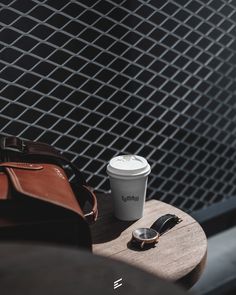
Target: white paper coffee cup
{"points": [[128, 176]]}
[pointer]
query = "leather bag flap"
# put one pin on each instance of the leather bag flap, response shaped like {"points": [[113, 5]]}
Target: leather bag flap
{"points": [[47, 183]]}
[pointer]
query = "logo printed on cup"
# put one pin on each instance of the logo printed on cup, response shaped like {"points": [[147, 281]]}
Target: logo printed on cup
{"points": [[130, 198]]}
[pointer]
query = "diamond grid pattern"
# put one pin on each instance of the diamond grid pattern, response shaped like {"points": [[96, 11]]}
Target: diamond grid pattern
{"points": [[101, 78]]}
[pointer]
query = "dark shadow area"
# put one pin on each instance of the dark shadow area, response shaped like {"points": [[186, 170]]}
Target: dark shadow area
{"points": [[41, 269], [218, 222], [104, 232], [217, 217]]}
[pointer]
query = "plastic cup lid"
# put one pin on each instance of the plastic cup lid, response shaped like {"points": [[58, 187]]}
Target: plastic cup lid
{"points": [[128, 165]]}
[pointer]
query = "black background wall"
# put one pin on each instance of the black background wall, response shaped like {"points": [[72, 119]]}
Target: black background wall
{"points": [[101, 78]]}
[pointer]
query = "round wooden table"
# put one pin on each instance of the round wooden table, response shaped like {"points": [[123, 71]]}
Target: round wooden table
{"points": [[179, 256], [45, 270]]}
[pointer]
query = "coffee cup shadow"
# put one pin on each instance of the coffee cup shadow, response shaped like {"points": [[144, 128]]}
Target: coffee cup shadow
{"points": [[107, 230]]}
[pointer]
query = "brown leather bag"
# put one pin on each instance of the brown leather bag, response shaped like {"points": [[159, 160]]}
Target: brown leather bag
{"points": [[37, 201]]}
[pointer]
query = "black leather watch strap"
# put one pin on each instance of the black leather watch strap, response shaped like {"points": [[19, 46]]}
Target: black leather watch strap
{"points": [[165, 222]]}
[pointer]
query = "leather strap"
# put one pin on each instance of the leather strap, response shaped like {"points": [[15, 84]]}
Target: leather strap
{"points": [[25, 166], [93, 214], [165, 222], [28, 149]]}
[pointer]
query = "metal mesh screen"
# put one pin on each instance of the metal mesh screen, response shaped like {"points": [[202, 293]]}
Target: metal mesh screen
{"points": [[101, 78]]}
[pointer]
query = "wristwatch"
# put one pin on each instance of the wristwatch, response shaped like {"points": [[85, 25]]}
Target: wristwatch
{"points": [[142, 237]]}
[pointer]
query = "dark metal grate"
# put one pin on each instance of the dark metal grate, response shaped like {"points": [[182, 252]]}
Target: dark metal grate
{"points": [[101, 78]]}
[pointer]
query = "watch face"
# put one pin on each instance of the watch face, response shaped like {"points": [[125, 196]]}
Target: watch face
{"points": [[145, 234]]}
